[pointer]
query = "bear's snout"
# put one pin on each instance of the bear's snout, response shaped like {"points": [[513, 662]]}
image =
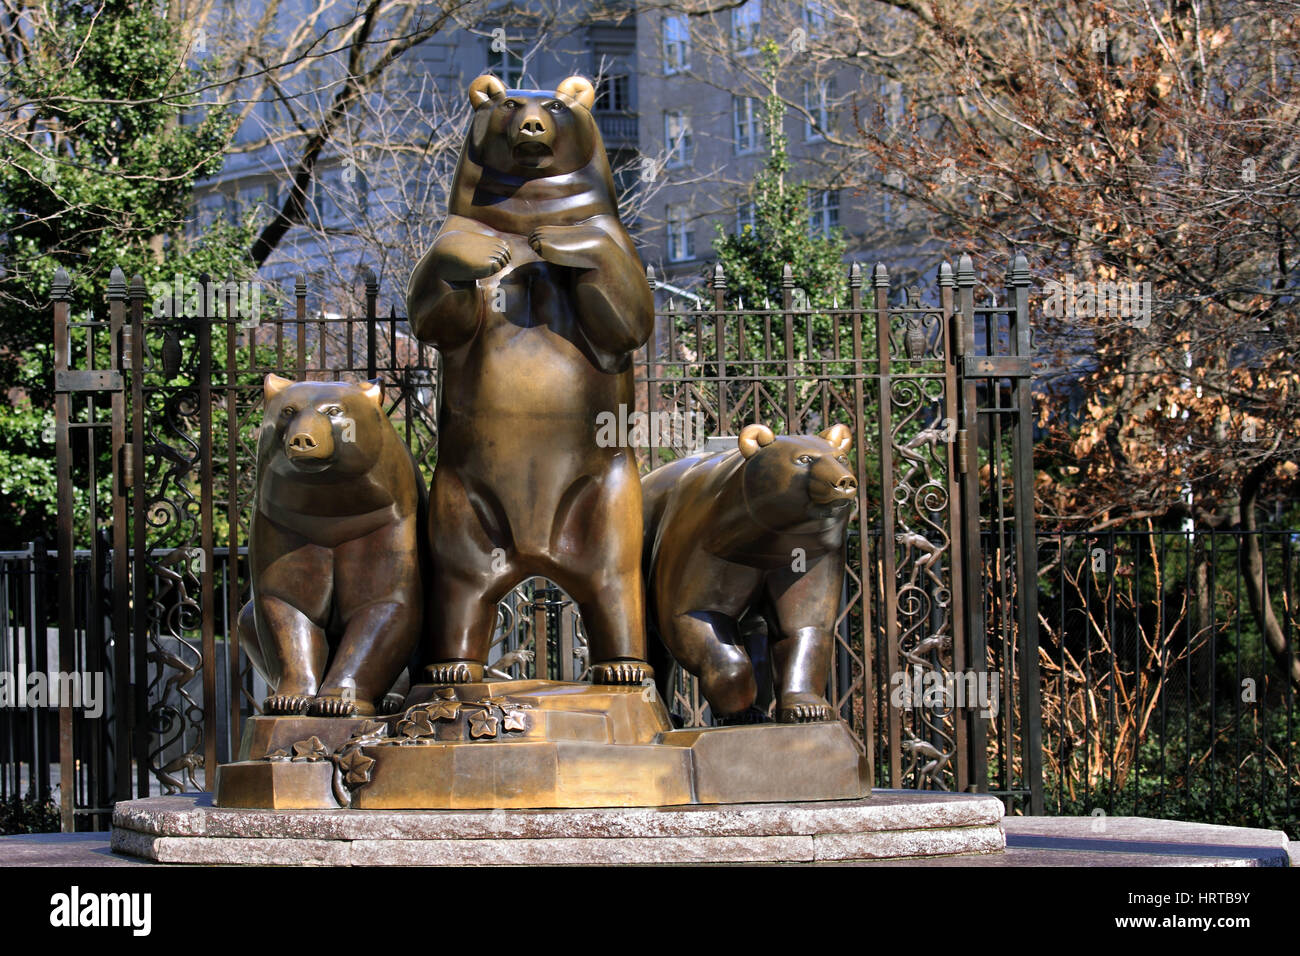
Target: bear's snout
{"points": [[310, 442], [833, 486]]}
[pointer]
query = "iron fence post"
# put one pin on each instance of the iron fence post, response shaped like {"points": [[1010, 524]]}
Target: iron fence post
{"points": [[120, 348], [971, 549], [1031, 731], [888, 553], [60, 293]]}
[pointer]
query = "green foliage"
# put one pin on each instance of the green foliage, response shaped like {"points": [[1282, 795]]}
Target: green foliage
{"points": [[26, 472], [115, 140], [754, 260], [28, 815]]}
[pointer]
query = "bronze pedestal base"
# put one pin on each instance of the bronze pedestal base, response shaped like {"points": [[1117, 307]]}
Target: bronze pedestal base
{"points": [[533, 744]]}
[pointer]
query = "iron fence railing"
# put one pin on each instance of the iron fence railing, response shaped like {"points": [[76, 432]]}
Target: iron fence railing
{"points": [[1161, 695], [1155, 702], [935, 393]]}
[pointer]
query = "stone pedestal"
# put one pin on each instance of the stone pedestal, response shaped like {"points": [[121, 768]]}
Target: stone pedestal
{"points": [[533, 744], [890, 824]]}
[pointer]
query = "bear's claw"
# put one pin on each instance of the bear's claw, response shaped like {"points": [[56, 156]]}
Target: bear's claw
{"points": [[810, 709], [331, 706], [621, 672], [455, 672], [391, 704], [286, 704]]}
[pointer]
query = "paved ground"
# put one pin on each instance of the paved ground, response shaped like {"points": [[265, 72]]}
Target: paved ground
{"points": [[1031, 841]]}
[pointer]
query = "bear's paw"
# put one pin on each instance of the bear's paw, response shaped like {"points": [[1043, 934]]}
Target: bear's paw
{"points": [[330, 705], [621, 672], [455, 672], [281, 704], [803, 709]]}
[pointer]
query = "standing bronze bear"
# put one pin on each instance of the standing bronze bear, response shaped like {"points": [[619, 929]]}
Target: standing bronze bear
{"points": [[334, 550], [535, 296], [759, 528]]}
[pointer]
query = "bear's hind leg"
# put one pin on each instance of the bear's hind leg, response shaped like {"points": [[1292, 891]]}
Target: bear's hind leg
{"points": [[462, 620], [708, 645]]}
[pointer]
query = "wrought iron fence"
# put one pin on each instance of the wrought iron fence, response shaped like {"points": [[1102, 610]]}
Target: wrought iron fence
{"points": [[1161, 696], [161, 411]]}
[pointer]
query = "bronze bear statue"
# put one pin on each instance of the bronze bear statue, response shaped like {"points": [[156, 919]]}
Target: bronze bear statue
{"points": [[760, 528], [335, 550], [536, 299]]}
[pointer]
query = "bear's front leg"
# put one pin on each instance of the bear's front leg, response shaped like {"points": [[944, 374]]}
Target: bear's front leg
{"points": [[295, 652], [804, 604], [379, 599], [614, 305], [442, 298], [378, 640], [582, 246]]}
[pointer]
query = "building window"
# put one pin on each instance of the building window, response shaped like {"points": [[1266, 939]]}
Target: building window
{"points": [[324, 208], [747, 115], [614, 95], [815, 17], [677, 136], [746, 218], [817, 98], [677, 45], [823, 211], [744, 26], [359, 185], [506, 66], [681, 236]]}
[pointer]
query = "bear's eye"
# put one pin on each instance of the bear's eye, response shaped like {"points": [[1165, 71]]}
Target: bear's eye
{"points": [[511, 104], [804, 460], [842, 459], [288, 411], [555, 106], [332, 410]]}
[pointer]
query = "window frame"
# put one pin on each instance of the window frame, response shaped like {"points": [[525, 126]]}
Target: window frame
{"points": [[745, 28], [754, 119], [680, 153], [679, 44], [827, 202], [678, 217]]}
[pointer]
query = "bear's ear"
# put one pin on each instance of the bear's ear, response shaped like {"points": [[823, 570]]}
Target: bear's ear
{"points": [[486, 87], [578, 88], [374, 391], [754, 437], [273, 385], [839, 436]]}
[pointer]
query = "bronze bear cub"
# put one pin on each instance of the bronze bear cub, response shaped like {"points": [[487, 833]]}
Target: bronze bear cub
{"points": [[536, 299], [762, 527], [334, 549]]}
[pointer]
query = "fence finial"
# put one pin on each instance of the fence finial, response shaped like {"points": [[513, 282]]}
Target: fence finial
{"points": [[787, 277], [1018, 274], [372, 284], [880, 276], [61, 284], [945, 275], [300, 286], [719, 277], [855, 276], [137, 289], [965, 270], [650, 278]]}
